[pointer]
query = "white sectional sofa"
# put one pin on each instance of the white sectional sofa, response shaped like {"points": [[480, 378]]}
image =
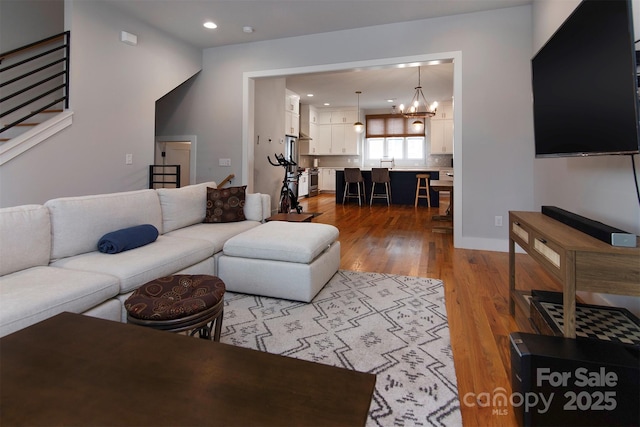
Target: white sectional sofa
{"points": [[49, 262]]}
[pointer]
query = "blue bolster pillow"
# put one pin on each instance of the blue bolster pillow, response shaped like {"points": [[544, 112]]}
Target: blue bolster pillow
{"points": [[127, 238]]}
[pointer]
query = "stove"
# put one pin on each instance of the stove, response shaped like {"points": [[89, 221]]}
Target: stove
{"points": [[313, 182]]}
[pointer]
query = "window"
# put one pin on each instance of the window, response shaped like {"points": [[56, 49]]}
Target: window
{"points": [[415, 148], [405, 151], [391, 136], [395, 148], [376, 148]]}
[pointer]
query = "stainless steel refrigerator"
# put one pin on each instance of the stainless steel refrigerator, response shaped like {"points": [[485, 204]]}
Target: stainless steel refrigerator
{"points": [[291, 154], [291, 151]]}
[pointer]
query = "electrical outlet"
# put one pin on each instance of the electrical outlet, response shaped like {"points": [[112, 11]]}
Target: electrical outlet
{"points": [[224, 162], [498, 221], [128, 159]]}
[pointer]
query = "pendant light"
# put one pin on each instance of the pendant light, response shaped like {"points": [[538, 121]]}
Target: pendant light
{"points": [[419, 108], [358, 126]]}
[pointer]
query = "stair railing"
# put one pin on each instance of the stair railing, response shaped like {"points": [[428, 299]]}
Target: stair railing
{"points": [[227, 180], [162, 175], [37, 64]]}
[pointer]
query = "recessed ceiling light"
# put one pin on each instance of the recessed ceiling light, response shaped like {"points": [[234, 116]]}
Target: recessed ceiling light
{"points": [[210, 25], [310, 95], [248, 29], [390, 100], [326, 104]]}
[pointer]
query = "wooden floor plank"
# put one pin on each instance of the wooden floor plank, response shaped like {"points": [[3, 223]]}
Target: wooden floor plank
{"points": [[399, 240]]}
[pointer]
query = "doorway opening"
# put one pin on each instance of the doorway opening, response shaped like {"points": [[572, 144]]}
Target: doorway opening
{"points": [[248, 105], [177, 150]]}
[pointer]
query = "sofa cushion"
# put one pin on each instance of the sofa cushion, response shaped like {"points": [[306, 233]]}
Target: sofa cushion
{"points": [[215, 234], [225, 204], [133, 268], [25, 238], [253, 207], [184, 206], [77, 223], [282, 241], [32, 295]]}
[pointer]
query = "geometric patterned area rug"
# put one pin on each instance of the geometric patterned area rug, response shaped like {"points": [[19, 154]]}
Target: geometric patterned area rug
{"points": [[392, 326]]}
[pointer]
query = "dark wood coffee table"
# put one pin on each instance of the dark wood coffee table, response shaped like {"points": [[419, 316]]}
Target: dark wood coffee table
{"points": [[78, 370], [291, 217]]}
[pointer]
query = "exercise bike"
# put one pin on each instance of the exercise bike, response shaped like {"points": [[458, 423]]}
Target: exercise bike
{"points": [[288, 199]]}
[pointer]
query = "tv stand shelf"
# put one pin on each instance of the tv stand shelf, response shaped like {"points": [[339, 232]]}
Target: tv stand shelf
{"points": [[579, 261]]}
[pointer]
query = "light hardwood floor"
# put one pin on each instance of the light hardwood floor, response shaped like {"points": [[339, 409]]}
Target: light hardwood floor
{"points": [[399, 240]]}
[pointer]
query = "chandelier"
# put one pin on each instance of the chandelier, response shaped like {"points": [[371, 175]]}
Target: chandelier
{"points": [[419, 108]]}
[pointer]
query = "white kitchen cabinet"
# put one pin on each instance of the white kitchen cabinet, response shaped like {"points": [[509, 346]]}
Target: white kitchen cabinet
{"points": [[327, 179], [336, 135], [444, 111], [344, 117], [337, 138], [310, 146], [308, 117], [331, 117], [291, 124], [292, 102], [344, 139], [303, 184], [324, 139], [324, 117], [442, 136], [351, 138], [309, 127], [313, 134], [291, 113], [350, 117], [442, 130]]}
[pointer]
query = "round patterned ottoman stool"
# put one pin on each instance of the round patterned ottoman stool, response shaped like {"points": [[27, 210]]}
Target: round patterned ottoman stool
{"points": [[179, 303]]}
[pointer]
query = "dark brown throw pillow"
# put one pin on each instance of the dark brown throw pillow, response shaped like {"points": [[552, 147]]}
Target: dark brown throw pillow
{"points": [[225, 204]]}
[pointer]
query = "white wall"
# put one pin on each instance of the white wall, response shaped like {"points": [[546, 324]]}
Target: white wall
{"points": [[114, 87], [269, 127], [26, 21], [495, 164]]}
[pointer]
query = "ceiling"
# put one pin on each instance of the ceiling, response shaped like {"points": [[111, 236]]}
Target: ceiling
{"points": [[274, 19], [377, 86]]}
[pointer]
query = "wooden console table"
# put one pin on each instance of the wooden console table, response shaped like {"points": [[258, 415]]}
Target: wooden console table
{"points": [[579, 261]]}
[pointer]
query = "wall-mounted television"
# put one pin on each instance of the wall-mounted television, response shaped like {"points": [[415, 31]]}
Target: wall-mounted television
{"points": [[584, 82]]}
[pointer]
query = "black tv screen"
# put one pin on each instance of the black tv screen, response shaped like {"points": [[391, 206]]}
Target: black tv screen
{"points": [[584, 81]]}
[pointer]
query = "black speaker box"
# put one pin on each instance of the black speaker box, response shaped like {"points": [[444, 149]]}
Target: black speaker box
{"points": [[600, 231], [559, 381]]}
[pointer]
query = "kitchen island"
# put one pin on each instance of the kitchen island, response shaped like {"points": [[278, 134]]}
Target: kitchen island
{"points": [[403, 186]]}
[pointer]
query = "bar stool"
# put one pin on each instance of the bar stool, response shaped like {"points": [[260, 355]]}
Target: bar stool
{"points": [[353, 176], [419, 186], [380, 176]]}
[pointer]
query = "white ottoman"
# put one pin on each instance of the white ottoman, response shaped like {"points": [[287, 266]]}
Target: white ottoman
{"points": [[279, 259]]}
